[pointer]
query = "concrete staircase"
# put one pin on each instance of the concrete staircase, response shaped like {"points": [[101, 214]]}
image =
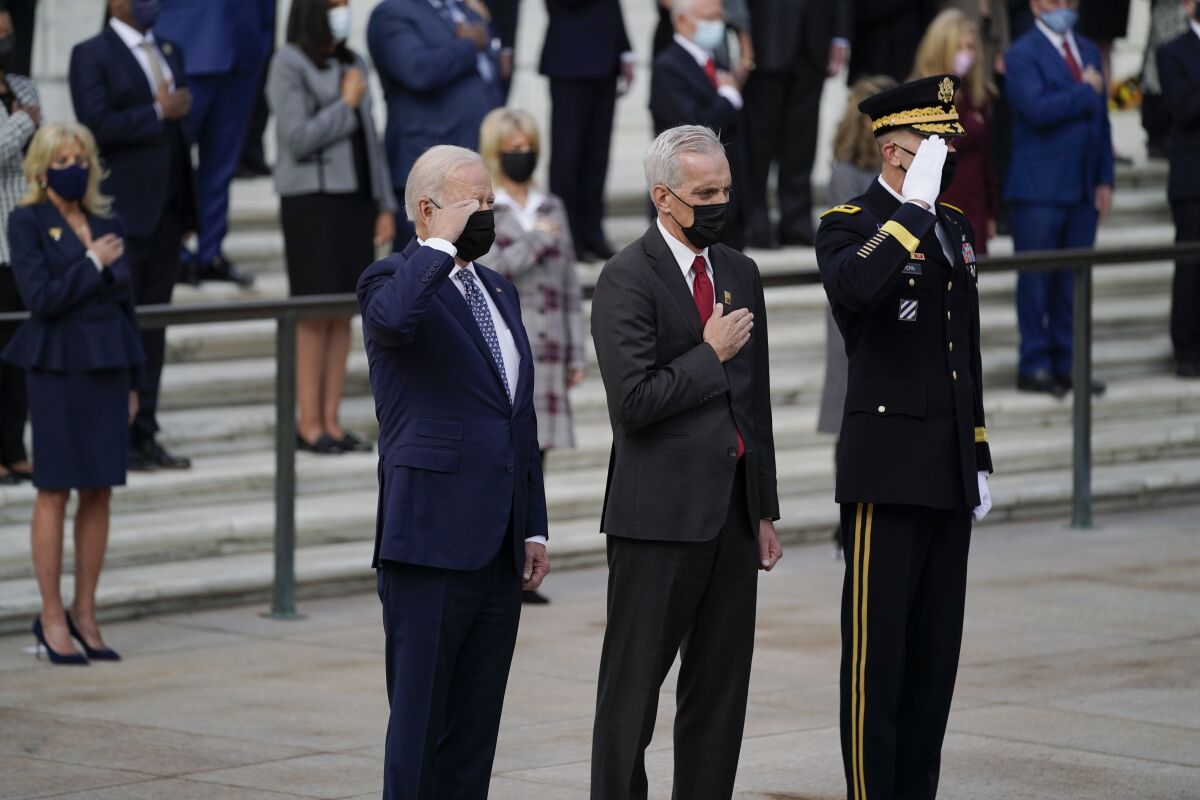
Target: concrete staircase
{"points": [[204, 536]]}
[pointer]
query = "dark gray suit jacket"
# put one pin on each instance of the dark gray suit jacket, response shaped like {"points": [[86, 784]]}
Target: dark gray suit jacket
{"points": [[675, 408], [785, 32]]}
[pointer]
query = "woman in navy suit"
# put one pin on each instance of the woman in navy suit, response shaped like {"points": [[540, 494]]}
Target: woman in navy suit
{"points": [[82, 355]]}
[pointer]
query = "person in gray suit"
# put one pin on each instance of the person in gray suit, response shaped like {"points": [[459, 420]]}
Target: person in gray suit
{"points": [[336, 200], [680, 329]]}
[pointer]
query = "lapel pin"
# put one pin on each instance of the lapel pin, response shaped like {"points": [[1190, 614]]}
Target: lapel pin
{"points": [[56, 233], [728, 299], [167, 48]]}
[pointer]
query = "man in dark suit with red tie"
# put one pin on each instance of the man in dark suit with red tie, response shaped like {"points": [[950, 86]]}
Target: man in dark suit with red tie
{"points": [[680, 330], [689, 88]]}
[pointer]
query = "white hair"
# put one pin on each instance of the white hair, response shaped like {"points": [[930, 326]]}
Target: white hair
{"points": [[427, 178], [662, 159]]}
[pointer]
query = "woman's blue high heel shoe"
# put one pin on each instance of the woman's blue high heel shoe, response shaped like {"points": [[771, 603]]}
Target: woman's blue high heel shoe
{"points": [[72, 659], [103, 654]]}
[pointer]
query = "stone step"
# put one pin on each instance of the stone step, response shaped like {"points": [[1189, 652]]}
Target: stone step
{"points": [[337, 499], [339, 568]]}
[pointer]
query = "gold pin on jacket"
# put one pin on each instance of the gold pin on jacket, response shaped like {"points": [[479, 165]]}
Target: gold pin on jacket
{"points": [[728, 299], [56, 233]]}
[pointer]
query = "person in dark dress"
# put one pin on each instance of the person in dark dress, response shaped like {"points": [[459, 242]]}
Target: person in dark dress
{"points": [[83, 359], [336, 200], [20, 115]]}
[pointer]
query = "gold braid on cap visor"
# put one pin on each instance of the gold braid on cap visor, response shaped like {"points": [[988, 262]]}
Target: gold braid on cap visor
{"points": [[933, 119]]}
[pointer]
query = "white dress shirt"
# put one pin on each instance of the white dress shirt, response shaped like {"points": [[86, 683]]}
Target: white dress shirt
{"points": [[527, 215], [702, 57], [1057, 40], [942, 236], [134, 41], [685, 257], [508, 345], [1195, 26]]}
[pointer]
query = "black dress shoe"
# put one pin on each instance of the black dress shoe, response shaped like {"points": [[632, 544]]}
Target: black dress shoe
{"points": [[534, 599], [220, 269], [1098, 387], [1040, 381], [137, 460], [352, 444], [1187, 369], [252, 168], [11, 479], [189, 273], [158, 455], [325, 445], [22, 474]]}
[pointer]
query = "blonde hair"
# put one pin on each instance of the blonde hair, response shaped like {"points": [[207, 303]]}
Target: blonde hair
{"points": [[935, 54], [855, 141], [500, 124], [43, 149]]}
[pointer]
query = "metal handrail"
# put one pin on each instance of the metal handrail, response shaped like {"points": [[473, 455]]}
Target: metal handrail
{"points": [[286, 312]]}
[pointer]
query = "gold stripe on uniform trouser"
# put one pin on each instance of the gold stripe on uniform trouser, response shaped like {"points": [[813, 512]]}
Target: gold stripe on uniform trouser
{"points": [[858, 700]]}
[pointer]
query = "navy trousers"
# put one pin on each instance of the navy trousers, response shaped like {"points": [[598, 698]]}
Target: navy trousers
{"points": [[221, 109], [581, 123], [1045, 299], [450, 636]]}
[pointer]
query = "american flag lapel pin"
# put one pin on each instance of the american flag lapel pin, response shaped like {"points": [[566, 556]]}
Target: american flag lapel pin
{"points": [[728, 299]]}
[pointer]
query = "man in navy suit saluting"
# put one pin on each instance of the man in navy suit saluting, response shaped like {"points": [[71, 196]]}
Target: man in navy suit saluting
{"points": [[461, 524]]}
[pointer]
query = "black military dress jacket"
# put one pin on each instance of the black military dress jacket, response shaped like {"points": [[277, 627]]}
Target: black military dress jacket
{"points": [[913, 432]]}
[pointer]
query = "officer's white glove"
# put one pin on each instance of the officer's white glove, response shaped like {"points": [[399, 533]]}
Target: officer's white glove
{"points": [[924, 178], [985, 499]]}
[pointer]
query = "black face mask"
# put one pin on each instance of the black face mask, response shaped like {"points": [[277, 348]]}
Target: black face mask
{"points": [[477, 237], [948, 168], [519, 166], [145, 13], [7, 45], [708, 223]]}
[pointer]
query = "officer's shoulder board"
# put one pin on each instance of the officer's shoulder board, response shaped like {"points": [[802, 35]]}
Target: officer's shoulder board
{"points": [[845, 208], [952, 208]]}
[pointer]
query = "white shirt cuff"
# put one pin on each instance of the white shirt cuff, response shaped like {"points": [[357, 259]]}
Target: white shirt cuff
{"points": [[442, 245], [158, 110], [95, 259], [536, 540], [629, 57], [840, 42], [731, 94]]}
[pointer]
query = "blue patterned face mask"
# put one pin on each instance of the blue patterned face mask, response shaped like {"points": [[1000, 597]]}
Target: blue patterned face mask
{"points": [[709, 34], [1060, 20]]}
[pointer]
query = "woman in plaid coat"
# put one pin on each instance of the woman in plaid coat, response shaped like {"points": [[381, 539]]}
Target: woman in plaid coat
{"points": [[533, 250]]}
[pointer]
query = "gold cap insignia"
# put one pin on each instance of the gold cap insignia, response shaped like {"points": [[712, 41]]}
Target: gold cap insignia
{"points": [[56, 233], [946, 91]]}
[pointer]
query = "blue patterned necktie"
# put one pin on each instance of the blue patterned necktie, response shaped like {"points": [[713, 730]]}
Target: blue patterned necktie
{"points": [[483, 318]]}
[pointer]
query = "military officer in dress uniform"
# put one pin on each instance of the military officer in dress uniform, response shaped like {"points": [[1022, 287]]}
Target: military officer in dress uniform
{"points": [[913, 458]]}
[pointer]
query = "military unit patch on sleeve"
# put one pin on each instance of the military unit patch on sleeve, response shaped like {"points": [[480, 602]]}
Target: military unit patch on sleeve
{"points": [[908, 311]]}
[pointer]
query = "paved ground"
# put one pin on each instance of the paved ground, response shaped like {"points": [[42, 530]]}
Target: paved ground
{"points": [[1079, 680]]}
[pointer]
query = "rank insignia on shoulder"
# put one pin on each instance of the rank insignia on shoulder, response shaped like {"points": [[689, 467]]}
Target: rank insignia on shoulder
{"points": [[952, 208], [845, 208], [908, 311]]}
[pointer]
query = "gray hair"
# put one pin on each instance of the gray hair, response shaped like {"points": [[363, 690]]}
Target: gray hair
{"points": [[681, 8], [662, 159], [428, 175]]}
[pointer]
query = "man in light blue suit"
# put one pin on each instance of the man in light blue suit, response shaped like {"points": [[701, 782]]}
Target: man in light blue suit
{"points": [[1060, 180], [438, 61], [461, 526], [226, 42]]}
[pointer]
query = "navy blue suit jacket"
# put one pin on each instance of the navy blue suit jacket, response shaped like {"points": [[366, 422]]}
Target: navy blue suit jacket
{"points": [[681, 94], [112, 98], [82, 319], [458, 463], [1062, 141], [1179, 71], [219, 36], [585, 39], [431, 81]]}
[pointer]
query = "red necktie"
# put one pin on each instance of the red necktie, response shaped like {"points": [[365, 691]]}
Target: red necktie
{"points": [[704, 297], [1072, 64], [710, 69]]}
